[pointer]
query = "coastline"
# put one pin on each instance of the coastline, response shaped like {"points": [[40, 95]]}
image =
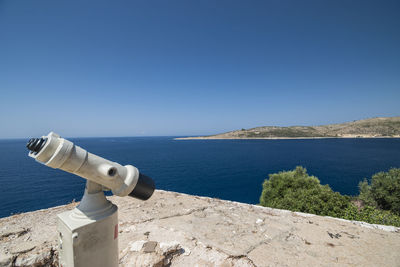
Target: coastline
{"points": [[379, 127], [282, 138]]}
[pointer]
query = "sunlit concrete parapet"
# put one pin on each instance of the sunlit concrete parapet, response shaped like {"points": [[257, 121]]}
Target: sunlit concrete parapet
{"points": [[185, 230]]}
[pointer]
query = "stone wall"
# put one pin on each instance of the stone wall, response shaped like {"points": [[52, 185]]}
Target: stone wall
{"points": [[173, 229]]}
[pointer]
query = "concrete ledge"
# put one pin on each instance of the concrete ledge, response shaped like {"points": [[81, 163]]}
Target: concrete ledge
{"points": [[173, 229]]}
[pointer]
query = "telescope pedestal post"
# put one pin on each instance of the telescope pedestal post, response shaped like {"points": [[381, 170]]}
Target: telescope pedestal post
{"points": [[88, 234]]}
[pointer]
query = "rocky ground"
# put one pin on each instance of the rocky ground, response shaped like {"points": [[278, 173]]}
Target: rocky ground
{"points": [[174, 229]]}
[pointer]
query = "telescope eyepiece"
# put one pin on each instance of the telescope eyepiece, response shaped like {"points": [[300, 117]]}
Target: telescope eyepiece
{"points": [[36, 144], [144, 188]]}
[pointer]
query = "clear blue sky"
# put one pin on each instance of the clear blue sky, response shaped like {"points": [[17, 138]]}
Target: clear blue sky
{"points": [[129, 68]]}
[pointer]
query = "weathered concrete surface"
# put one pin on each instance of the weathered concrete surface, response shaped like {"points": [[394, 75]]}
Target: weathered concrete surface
{"points": [[182, 230]]}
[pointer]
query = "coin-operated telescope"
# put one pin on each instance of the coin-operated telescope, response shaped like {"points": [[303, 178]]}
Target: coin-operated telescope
{"points": [[88, 234]]}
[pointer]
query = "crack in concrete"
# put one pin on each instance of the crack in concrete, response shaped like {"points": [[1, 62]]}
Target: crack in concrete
{"points": [[242, 257], [17, 233], [167, 217], [229, 256], [50, 261], [184, 214], [251, 248]]}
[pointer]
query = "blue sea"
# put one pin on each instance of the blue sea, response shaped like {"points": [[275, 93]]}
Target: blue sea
{"points": [[225, 169]]}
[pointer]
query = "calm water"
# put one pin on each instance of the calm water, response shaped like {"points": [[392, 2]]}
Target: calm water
{"points": [[227, 169]]}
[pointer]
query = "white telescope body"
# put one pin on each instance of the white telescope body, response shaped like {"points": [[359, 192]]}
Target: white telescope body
{"points": [[59, 153], [88, 234]]}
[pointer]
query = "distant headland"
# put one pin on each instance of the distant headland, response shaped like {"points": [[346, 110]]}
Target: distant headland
{"points": [[382, 127]]}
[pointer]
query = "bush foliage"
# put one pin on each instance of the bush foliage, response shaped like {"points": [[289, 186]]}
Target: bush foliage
{"points": [[297, 191], [383, 192], [371, 215]]}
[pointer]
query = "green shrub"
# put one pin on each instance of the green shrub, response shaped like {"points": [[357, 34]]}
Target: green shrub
{"points": [[365, 194], [297, 191], [383, 192], [371, 215]]}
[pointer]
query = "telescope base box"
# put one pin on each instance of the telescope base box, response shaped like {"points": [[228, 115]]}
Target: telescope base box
{"points": [[85, 242]]}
